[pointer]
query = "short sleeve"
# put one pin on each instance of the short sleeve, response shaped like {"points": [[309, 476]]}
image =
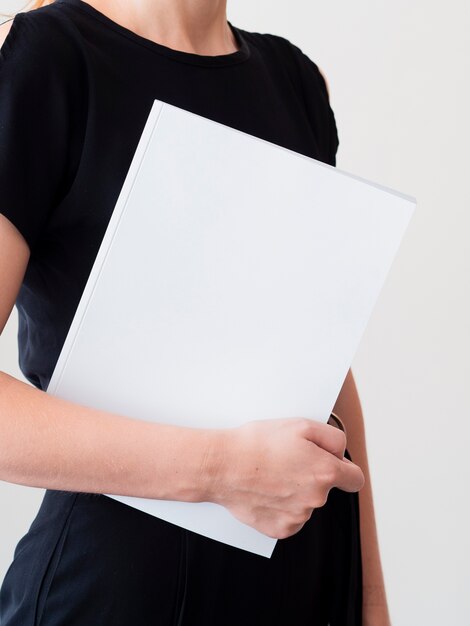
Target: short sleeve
{"points": [[39, 83], [333, 136], [317, 101]]}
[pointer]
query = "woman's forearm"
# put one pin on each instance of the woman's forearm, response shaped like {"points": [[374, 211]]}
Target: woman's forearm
{"points": [[348, 408], [52, 443], [49, 442]]}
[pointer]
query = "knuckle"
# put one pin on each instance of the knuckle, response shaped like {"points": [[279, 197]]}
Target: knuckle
{"points": [[320, 498], [323, 498], [342, 438], [302, 516], [282, 531], [338, 440], [293, 519], [328, 477], [276, 533], [292, 523], [295, 527], [304, 422]]}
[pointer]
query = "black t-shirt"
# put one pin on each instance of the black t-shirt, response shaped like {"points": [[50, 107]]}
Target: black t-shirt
{"points": [[75, 91]]}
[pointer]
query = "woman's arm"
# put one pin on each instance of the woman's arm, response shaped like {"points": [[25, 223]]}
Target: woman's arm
{"points": [[52, 443], [348, 408], [254, 470]]}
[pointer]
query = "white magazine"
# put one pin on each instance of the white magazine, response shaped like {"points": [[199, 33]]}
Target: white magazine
{"points": [[234, 282]]}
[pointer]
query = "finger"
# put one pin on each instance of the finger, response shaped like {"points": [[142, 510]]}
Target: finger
{"points": [[350, 477], [326, 436]]}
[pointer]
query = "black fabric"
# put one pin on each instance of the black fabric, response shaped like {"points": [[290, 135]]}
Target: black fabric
{"points": [[75, 92], [89, 560]]}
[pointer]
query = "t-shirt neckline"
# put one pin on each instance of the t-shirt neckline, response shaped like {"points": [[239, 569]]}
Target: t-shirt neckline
{"points": [[231, 58]]}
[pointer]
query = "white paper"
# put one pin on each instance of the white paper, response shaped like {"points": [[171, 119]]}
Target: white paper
{"points": [[234, 282]]}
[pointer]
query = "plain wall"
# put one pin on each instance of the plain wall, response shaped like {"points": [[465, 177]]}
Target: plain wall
{"points": [[398, 74]]}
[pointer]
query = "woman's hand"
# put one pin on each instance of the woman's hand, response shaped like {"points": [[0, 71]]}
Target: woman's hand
{"points": [[273, 473]]}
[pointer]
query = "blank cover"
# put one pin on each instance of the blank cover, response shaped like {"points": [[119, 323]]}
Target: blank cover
{"points": [[234, 282]]}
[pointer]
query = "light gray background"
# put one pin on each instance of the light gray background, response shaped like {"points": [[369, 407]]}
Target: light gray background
{"points": [[398, 75]]}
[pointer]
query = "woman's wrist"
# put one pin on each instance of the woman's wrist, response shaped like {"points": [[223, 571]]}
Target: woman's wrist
{"points": [[213, 465], [196, 462]]}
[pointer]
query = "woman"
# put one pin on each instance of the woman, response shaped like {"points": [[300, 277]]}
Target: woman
{"points": [[77, 80]]}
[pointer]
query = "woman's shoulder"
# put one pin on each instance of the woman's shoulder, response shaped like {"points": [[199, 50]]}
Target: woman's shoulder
{"points": [[42, 39], [292, 58], [43, 113], [308, 67], [308, 81]]}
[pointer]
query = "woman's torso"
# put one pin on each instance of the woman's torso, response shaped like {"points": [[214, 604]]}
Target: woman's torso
{"points": [[267, 88], [88, 559]]}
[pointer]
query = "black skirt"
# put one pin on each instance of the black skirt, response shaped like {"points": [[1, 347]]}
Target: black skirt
{"points": [[89, 560]]}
